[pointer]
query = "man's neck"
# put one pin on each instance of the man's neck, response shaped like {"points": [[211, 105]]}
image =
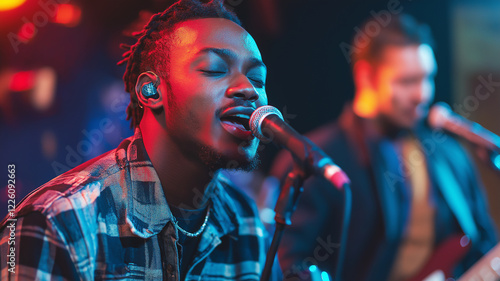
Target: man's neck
{"points": [[365, 108], [183, 180], [388, 129]]}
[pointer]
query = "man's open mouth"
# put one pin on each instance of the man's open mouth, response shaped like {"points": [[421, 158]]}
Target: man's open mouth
{"points": [[235, 121], [239, 120]]}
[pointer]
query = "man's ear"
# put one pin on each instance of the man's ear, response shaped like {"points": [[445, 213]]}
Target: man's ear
{"points": [[363, 74], [365, 102], [148, 91]]}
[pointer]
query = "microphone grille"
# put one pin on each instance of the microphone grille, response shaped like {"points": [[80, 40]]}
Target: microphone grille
{"points": [[438, 115], [258, 117]]}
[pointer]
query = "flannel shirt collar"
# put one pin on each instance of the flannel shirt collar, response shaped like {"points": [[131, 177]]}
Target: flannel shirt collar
{"points": [[147, 211]]}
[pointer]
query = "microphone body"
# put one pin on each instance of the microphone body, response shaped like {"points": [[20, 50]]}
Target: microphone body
{"points": [[442, 117], [267, 124]]}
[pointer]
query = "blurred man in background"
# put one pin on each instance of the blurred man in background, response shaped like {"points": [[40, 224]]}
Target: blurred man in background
{"points": [[413, 188]]}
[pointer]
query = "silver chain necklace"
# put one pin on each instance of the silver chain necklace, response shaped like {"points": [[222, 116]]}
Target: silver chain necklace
{"points": [[197, 233]]}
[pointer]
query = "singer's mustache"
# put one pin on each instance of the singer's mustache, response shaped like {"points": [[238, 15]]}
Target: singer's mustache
{"points": [[244, 103]]}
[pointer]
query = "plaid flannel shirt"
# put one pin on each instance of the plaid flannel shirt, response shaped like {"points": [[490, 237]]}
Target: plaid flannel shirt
{"points": [[109, 219]]}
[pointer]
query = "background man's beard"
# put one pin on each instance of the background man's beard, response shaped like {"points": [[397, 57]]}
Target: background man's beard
{"points": [[391, 128], [215, 160]]}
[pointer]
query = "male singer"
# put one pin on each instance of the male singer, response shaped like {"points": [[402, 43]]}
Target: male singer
{"points": [[413, 189], [156, 208]]}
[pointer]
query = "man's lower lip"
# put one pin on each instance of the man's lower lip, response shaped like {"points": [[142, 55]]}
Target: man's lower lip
{"points": [[237, 132]]}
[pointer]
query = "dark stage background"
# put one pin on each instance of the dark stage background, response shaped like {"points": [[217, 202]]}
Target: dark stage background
{"points": [[62, 100]]}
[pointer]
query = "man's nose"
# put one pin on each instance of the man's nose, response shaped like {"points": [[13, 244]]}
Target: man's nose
{"points": [[242, 88]]}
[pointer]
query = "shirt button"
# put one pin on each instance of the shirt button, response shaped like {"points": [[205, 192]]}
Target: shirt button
{"points": [[170, 269]]}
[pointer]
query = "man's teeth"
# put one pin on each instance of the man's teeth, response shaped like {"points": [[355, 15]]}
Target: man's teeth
{"points": [[242, 116], [239, 119]]}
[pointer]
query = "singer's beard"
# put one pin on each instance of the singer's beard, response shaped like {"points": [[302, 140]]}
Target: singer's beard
{"points": [[215, 160]]}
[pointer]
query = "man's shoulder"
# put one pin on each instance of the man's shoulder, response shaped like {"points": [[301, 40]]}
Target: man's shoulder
{"points": [[58, 195]]}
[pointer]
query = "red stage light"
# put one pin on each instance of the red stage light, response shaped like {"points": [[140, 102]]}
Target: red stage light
{"points": [[22, 81], [68, 15], [6, 5], [26, 32]]}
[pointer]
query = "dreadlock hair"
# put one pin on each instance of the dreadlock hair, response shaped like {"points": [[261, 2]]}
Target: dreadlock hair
{"points": [[150, 52]]}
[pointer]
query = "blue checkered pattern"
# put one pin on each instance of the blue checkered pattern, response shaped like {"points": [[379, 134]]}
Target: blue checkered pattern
{"points": [[108, 219]]}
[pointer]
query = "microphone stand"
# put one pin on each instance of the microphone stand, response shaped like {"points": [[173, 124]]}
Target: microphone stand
{"points": [[290, 191], [287, 200]]}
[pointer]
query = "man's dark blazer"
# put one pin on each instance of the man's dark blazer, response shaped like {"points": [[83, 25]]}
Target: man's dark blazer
{"points": [[380, 202]]}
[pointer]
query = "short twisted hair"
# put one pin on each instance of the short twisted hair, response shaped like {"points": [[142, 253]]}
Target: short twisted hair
{"points": [[402, 30], [150, 52]]}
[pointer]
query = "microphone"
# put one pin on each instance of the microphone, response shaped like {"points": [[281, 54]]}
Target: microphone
{"points": [[267, 125], [442, 117]]}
